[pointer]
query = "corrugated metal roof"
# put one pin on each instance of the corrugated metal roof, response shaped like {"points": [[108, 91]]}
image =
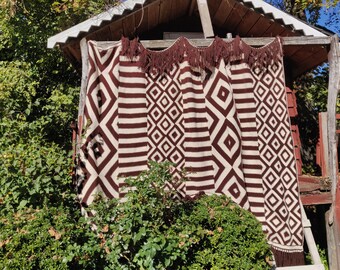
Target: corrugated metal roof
{"points": [[130, 5], [95, 21], [287, 19]]}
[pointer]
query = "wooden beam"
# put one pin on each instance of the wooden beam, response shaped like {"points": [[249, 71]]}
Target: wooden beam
{"points": [[205, 18], [333, 255], [323, 137], [287, 41], [333, 90], [308, 183], [316, 199]]}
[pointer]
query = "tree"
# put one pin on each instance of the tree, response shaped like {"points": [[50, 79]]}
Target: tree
{"points": [[312, 11]]}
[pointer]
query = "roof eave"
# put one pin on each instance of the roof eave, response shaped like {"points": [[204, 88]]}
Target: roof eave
{"points": [[96, 21]]}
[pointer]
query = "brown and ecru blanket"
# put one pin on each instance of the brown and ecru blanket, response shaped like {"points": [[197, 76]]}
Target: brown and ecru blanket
{"points": [[218, 112]]}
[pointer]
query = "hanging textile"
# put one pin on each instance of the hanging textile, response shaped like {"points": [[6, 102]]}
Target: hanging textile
{"points": [[218, 112]]}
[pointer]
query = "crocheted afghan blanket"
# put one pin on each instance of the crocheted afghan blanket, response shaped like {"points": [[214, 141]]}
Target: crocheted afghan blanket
{"points": [[218, 112]]}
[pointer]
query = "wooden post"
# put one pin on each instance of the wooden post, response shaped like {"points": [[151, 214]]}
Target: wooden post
{"points": [[333, 90], [205, 18], [324, 143], [83, 86]]}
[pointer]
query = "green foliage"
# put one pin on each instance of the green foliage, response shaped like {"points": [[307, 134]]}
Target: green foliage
{"points": [[83, 8], [149, 230], [48, 238], [229, 237], [17, 89], [34, 175], [311, 94], [323, 257]]}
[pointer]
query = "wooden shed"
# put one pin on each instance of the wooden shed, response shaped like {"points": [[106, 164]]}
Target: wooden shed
{"points": [[160, 23]]}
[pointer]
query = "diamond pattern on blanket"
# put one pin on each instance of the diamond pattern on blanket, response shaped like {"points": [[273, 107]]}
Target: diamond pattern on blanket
{"points": [[282, 205], [165, 123]]}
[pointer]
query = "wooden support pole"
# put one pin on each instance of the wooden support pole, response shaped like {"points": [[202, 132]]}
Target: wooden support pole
{"points": [[205, 18], [323, 131], [85, 60], [333, 90]]}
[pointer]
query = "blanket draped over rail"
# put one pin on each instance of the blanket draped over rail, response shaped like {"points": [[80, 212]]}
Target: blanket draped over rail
{"points": [[218, 112]]}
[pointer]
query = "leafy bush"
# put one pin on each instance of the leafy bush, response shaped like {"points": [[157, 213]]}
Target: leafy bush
{"points": [[48, 238], [33, 175], [149, 230], [229, 237]]}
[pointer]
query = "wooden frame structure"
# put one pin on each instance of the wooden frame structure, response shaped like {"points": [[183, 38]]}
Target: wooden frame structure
{"points": [[332, 43]]}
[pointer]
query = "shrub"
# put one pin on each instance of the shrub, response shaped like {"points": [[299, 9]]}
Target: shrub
{"points": [[149, 230], [48, 238], [228, 236], [33, 174]]}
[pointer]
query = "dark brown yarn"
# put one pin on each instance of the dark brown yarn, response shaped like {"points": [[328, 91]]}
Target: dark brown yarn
{"points": [[203, 58], [283, 258]]}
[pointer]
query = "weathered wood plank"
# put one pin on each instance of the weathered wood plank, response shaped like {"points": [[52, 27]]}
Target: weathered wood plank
{"points": [[333, 90], [249, 19], [213, 7], [313, 250], [129, 25], [83, 86], [153, 15], [333, 255], [117, 30], [316, 199], [235, 17], [274, 30], [165, 11], [261, 26], [223, 12], [310, 61], [309, 183], [205, 18], [287, 41]]}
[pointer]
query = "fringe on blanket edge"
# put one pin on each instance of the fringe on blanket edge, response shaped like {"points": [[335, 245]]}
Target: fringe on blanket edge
{"points": [[207, 57], [286, 258]]}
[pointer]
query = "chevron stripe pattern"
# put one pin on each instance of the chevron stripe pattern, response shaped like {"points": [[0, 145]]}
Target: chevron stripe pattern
{"points": [[243, 95], [99, 155], [227, 127]]}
